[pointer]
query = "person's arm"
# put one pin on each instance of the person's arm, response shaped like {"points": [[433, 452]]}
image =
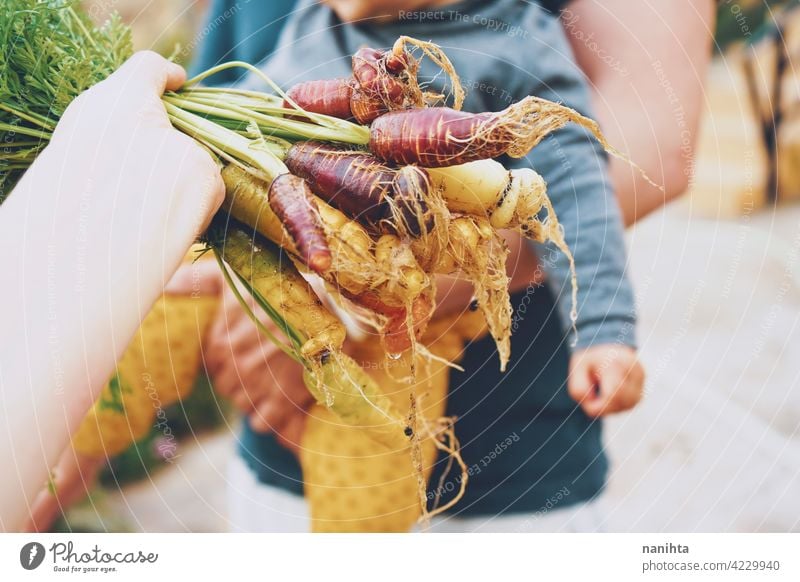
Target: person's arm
{"points": [[604, 374], [90, 235], [646, 64]]}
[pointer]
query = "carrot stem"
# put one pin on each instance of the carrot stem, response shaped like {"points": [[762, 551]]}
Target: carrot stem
{"points": [[324, 120], [11, 128], [43, 123], [227, 140], [359, 136]]}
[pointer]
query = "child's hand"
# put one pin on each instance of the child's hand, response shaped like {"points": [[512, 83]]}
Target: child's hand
{"points": [[605, 379]]}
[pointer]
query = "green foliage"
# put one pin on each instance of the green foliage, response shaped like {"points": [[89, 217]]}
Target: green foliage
{"points": [[51, 54], [112, 400], [746, 20], [51, 484]]}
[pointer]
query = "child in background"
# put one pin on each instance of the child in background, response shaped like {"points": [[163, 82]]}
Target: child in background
{"points": [[548, 402]]}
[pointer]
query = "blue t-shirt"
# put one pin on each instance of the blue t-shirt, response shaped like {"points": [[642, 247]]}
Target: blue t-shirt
{"points": [[503, 50]]}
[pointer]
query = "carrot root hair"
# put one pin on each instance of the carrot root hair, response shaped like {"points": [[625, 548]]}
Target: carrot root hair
{"points": [[521, 209], [478, 253], [417, 210], [387, 80], [524, 124], [442, 433], [440, 59]]}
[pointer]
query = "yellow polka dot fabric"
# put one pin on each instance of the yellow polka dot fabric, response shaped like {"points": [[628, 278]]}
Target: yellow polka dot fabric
{"points": [[168, 345], [158, 368], [122, 415], [354, 484]]}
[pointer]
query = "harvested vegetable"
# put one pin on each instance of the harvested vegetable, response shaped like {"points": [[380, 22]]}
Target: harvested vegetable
{"points": [[279, 288], [401, 325], [359, 185], [508, 198], [293, 204], [438, 136], [359, 263], [382, 81], [352, 181], [325, 96], [344, 388], [479, 253], [315, 336], [374, 212], [511, 199]]}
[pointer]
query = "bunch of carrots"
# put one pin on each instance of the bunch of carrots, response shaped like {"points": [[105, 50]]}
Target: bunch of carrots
{"points": [[368, 183]]}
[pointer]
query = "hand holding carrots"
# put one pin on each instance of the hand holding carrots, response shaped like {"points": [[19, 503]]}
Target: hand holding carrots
{"points": [[135, 193], [116, 146], [114, 201], [605, 379]]}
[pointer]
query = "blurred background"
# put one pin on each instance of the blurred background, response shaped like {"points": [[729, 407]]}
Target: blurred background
{"points": [[715, 446]]}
